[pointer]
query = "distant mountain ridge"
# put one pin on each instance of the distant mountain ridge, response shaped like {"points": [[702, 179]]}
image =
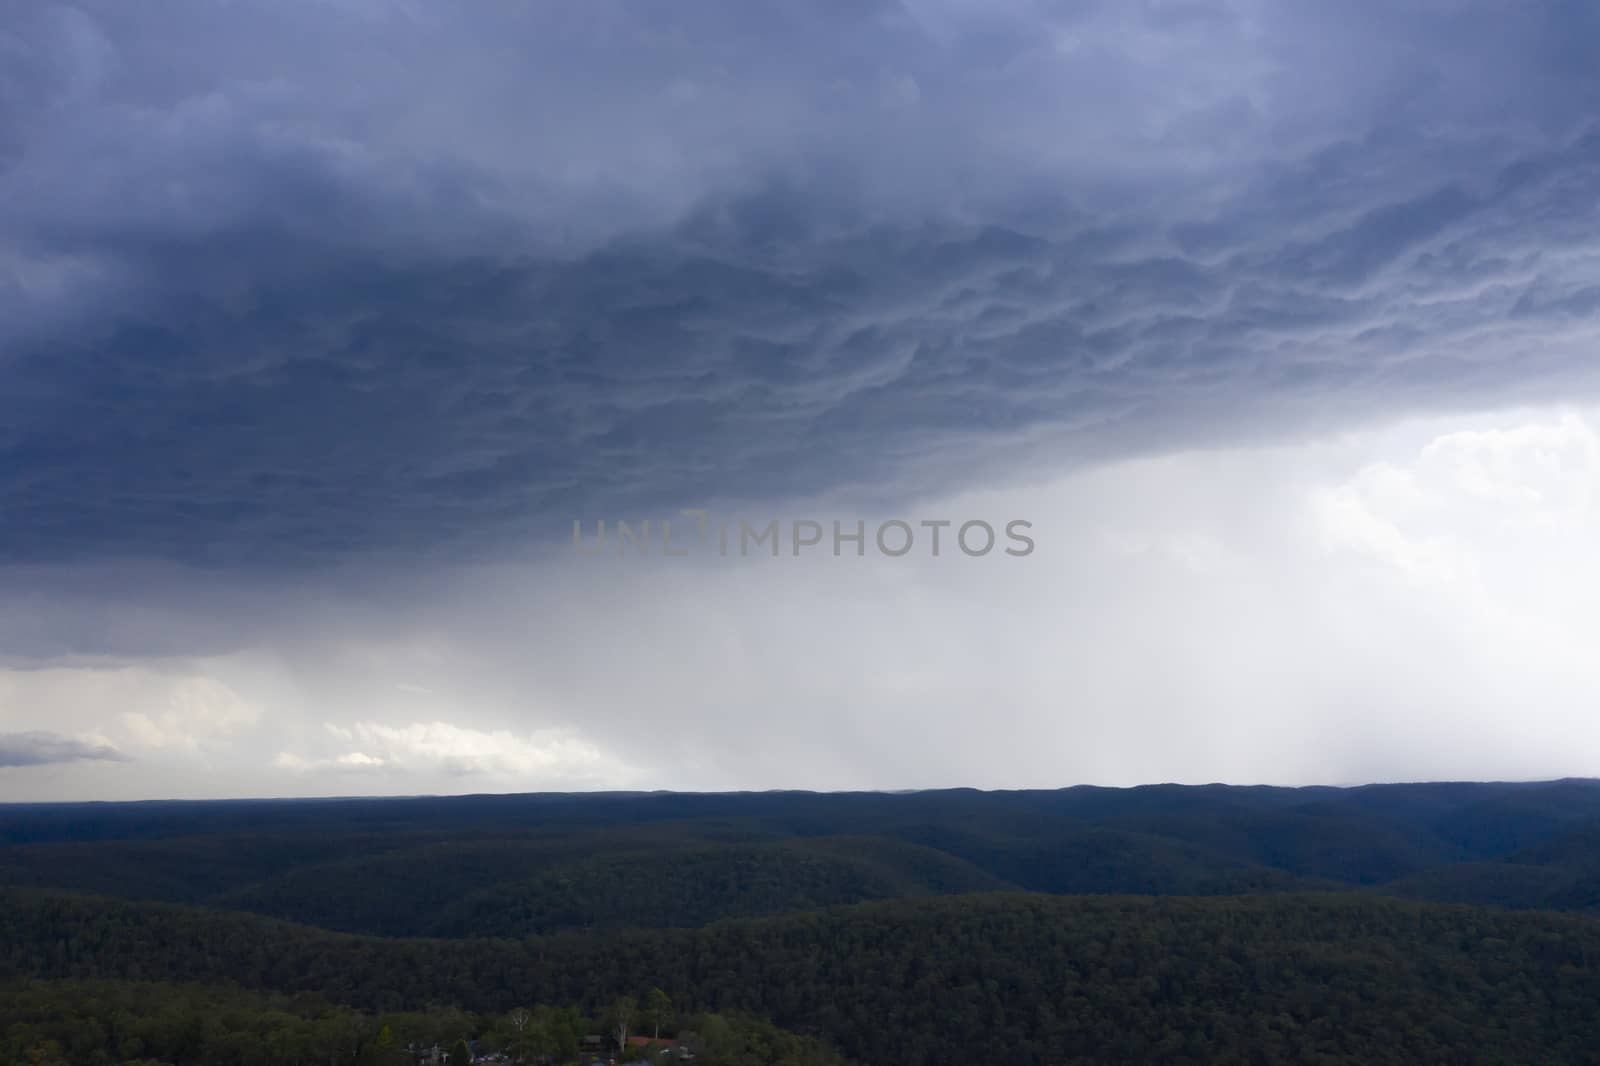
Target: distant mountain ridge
{"points": [[532, 864]]}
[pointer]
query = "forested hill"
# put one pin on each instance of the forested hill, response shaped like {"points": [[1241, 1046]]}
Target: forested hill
{"points": [[1164, 924], [530, 865], [981, 978]]}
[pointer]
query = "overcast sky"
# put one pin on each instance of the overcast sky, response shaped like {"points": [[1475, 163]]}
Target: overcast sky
{"points": [[323, 321]]}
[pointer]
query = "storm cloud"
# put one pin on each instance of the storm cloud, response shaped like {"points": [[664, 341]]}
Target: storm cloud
{"points": [[444, 280], [321, 322]]}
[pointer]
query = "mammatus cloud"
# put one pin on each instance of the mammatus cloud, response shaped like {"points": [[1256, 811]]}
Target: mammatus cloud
{"points": [[277, 306], [37, 748]]}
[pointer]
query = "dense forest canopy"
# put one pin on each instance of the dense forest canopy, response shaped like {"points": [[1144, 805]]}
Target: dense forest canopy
{"points": [[1164, 924], [1009, 977]]}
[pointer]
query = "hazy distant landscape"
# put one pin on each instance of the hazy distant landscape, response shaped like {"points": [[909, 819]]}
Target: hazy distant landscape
{"points": [[518, 866]]}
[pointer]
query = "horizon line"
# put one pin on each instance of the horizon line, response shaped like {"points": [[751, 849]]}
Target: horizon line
{"points": [[662, 793]]}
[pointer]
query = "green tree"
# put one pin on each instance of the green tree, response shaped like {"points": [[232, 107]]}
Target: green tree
{"points": [[658, 1007], [384, 1050], [717, 1043], [620, 1018], [557, 1033], [519, 1034], [461, 1055]]}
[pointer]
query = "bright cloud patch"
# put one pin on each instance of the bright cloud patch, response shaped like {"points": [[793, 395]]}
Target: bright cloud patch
{"points": [[198, 710], [539, 760]]}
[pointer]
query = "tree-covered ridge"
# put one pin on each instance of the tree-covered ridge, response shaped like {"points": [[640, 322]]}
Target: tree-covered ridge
{"points": [[990, 978], [520, 865], [136, 1023], [507, 888]]}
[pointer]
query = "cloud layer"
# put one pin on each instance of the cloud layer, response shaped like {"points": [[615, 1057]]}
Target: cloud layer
{"points": [[446, 280], [321, 321]]}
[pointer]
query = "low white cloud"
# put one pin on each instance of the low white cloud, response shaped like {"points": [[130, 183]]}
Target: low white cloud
{"points": [[140, 705], [198, 710], [541, 759], [354, 760]]}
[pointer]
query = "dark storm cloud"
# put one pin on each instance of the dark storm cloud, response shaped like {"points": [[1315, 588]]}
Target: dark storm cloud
{"points": [[42, 749], [303, 282]]}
